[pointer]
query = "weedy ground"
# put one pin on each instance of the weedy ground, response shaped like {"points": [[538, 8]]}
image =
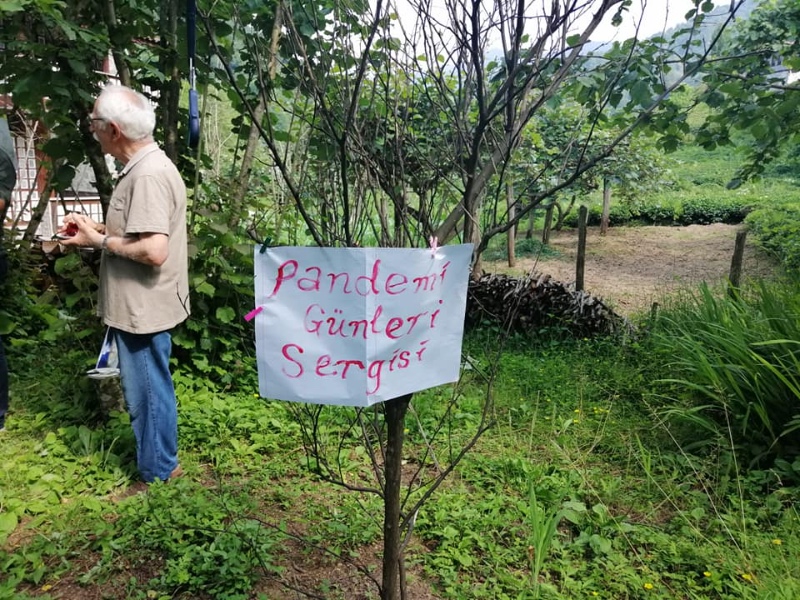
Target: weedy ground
{"points": [[580, 489], [584, 487]]}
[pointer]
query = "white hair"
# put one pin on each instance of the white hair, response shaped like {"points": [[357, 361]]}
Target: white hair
{"points": [[128, 109]]}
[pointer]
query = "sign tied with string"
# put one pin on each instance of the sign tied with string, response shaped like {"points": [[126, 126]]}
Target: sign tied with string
{"points": [[356, 326]]}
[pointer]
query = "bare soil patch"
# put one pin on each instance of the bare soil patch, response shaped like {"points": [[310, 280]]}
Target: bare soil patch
{"points": [[632, 267]]}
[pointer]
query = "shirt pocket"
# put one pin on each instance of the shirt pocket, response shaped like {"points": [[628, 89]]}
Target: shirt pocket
{"points": [[116, 216]]}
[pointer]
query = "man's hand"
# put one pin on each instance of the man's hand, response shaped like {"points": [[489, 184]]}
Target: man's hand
{"points": [[89, 233], [146, 248]]}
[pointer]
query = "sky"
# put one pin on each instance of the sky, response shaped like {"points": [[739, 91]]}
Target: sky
{"points": [[655, 15]]}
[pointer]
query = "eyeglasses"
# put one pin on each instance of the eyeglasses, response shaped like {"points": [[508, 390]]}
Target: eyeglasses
{"points": [[93, 119]]}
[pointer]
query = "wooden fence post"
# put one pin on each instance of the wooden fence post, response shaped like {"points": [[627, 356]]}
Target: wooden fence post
{"points": [[583, 213], [604, 217], [735, 276]]}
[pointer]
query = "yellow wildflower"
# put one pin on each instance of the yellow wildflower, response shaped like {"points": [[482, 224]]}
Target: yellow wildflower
{"points": [[777, 542], [648, 586], [706, 573], [747, 577]]}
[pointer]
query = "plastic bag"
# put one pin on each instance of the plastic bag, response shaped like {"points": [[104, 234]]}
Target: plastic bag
{"points": [[107, 361]]}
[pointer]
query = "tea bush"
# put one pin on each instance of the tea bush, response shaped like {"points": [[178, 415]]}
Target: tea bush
{"points": [[523, 247], [709, 209], [676, 210], [777, 229]]}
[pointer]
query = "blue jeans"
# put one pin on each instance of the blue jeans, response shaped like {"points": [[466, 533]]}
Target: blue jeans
{"points": [[150, 398]]}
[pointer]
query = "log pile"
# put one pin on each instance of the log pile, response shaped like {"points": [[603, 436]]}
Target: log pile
{"points": [[534, 302]]}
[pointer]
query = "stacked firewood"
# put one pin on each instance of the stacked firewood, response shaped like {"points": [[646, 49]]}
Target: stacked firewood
{"points": [[534, 302]]}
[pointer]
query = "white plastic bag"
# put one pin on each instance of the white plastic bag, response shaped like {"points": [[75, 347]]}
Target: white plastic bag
{"points": [[107, 361]]}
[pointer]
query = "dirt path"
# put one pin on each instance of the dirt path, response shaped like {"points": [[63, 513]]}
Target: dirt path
{"points": [[631, 267]]}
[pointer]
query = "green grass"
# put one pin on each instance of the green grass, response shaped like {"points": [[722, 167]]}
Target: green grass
{"points": [[582, 488], [736, 358], [577, 491], [498, 250]]}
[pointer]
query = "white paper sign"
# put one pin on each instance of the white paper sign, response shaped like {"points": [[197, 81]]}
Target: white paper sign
{"points": [[356, 326]]}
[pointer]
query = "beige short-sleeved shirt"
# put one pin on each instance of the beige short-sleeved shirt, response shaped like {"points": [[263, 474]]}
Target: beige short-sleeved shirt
{"points": [[149, 197]]}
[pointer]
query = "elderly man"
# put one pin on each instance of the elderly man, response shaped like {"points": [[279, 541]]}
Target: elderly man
{"points": [[144, 289]]}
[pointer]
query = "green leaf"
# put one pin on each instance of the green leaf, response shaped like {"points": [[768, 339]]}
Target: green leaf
{"points": [[600, 544], [573, 40], [10, 6], [6, 324], [64, 176], [225, 314], [8, 523], [56, 148], [77, 67], [205, 288], [640, 93]]}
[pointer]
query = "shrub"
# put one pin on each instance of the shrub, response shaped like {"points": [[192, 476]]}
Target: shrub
{"points": [[735, 362], [215, 339], [706, 210], [778, 230], [661, 212], [693, 210], [523, 247], [619, 214]]}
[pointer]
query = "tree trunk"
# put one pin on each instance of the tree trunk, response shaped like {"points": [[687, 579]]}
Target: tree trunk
{"points": [[103, 182], [563, 212], [383, 218], [37, 213], [477, 259], [531, 224], [395, 411], [120, 58], [512, 232], [606, 206], [548, 222], [171, 89], [241, 184]]}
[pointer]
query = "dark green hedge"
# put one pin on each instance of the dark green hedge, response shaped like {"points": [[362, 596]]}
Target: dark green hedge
{"points": [[777, 229], [702, 210]]}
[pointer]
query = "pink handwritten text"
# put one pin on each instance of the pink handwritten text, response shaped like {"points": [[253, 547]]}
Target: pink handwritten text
{"points": [[313, 279], [328, 366]]}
